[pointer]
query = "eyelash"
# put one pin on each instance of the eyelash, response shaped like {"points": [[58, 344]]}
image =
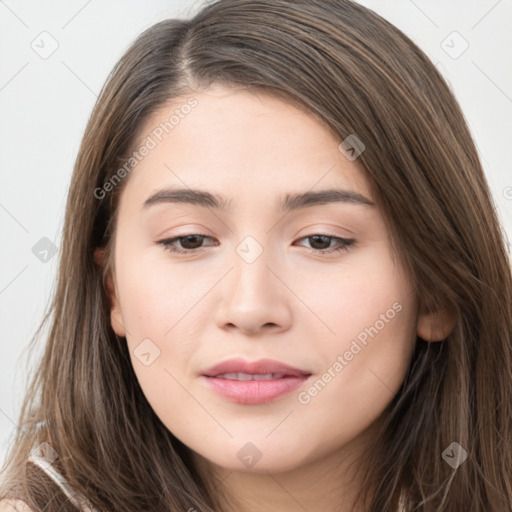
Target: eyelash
{"points": [[344, 244]]}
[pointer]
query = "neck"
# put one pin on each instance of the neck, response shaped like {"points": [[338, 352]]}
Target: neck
{"points": [[328, 483]]}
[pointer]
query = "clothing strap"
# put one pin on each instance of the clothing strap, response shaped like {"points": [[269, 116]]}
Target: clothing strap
{"points": [[41, 462]]}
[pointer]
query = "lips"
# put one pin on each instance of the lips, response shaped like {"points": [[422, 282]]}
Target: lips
{"points": [[250, 376], [260, 367], [255, 382]]}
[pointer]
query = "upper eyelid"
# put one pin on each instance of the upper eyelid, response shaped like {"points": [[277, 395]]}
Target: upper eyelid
{"points": [[319, 233]]}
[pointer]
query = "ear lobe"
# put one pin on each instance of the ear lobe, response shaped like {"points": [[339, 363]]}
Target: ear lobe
{"points": [[98, 256], [116, 316], [436, 325]]}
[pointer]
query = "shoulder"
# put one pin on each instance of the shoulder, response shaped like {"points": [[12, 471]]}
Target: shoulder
{"points": [[14, 506]]}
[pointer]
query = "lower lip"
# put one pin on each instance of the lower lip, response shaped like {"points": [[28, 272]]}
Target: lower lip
{"points": [[254, 391]]}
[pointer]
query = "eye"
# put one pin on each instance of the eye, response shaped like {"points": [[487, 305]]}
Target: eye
{"points": [[190, 243], [319, 243]]}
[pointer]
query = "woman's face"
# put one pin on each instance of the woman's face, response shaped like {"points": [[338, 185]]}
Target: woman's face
{"points": [[255, 285]]}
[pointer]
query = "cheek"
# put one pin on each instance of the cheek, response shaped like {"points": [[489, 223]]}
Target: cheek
{"points": [[372, 313], [365, 298], [159, 298], [165, 312], [159, 313]]}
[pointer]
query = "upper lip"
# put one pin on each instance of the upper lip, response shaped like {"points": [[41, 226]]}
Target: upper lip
{"points": [[259, 367]]}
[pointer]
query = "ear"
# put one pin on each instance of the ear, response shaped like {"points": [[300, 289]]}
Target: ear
{"points": [[116, 316], [435, 325]]}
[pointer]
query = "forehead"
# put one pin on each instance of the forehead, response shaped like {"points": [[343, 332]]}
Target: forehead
{"points": [[237, 142]]}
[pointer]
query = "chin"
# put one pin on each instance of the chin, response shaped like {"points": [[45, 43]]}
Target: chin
{"points": [[248, 458]]}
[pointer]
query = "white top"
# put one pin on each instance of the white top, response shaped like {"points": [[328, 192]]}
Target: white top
{"points": [[78, 501], [43, 456]]}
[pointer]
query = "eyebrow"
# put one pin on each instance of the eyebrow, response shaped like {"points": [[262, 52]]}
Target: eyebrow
{"points": [[289, 202]]}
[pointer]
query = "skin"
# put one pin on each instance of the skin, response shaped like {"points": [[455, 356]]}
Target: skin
{"points": [[290, 304]]}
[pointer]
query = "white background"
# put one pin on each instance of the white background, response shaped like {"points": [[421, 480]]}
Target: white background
{"points": [[45, 103]]}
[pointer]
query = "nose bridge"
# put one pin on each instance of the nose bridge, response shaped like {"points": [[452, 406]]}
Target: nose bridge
{"points": [[252, 296], [251, 274]]}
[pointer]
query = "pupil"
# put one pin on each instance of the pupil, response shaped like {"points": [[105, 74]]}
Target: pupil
{"points": [[315, 239], [192, 237]]}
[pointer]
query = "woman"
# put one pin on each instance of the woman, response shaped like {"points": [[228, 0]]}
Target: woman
{"points": [[282, 283]]}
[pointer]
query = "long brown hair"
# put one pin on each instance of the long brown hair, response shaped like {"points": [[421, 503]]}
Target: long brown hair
{"points": [[360, 75]]}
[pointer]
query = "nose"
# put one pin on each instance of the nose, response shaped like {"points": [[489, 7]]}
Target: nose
{"points": [[253, 297]]}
